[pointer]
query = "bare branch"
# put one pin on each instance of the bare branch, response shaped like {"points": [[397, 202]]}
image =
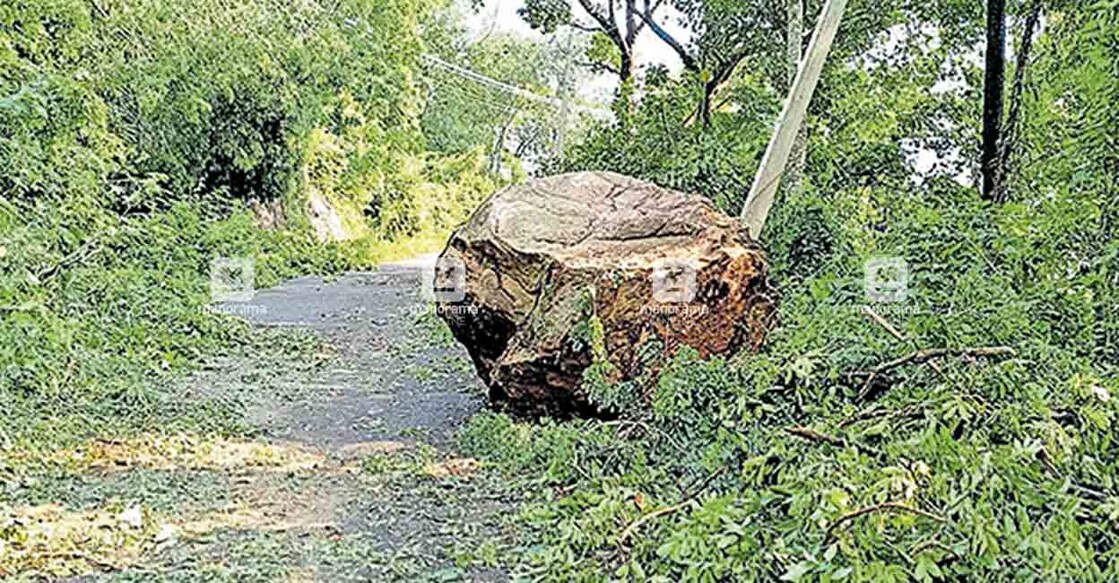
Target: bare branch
{"points": [[929, 353], [647, 17], [641, 21], [818, 437], [631, 23], [607, 24], [599, 67], [582, 27]]}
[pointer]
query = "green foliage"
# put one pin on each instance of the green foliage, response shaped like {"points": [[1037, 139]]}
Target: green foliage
{"points": [[650, 142], [1068, 160], [603, 54], [86, 334], [546, 15], [135, 132], [789, 464], [135, 105], [134, 137], [545, 452], [1008, 460]]}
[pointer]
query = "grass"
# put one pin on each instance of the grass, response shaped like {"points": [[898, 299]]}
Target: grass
{"points": [[374, 251]]}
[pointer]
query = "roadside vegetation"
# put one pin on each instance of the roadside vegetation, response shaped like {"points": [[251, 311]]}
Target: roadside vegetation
{"points": [[141, 140], [138, 142], [965, 433]]}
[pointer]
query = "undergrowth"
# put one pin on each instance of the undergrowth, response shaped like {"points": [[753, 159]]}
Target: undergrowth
{"points": [[141, 140], [89, 341], [796, 463]]}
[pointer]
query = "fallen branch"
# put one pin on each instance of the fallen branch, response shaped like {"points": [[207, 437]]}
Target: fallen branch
{"points": [[891, 506], [813, 435], [633, 526], [83, 253], [877, 319], [646, 517], [927, 354], [931, 544], [885, 324]]}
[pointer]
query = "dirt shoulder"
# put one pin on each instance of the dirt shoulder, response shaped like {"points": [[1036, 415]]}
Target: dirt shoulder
{"points": [[349, 473]]}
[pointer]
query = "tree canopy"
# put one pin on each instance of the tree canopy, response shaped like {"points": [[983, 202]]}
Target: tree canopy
{"points": [[964, 433]]}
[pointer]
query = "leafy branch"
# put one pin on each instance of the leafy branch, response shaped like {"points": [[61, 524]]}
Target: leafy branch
{"points": [[880, 507]]}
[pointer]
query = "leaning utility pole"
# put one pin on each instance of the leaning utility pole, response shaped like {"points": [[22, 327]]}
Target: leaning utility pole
{"points": [[794, 50], [768, 177]]}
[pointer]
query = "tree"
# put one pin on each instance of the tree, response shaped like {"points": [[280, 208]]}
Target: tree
{"points": [[721, 35], [993, 72], [1010, 128], [724, 33], [999, 132], [615, 24]]}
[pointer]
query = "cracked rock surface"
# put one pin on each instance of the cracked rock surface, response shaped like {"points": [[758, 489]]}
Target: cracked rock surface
{"points": [[548, 261]]}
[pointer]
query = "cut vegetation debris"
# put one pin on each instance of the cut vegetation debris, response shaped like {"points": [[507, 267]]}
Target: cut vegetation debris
{"points": [[934, 402]]}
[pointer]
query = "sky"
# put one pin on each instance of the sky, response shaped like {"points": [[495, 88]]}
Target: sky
{"points": [[500, 16]]}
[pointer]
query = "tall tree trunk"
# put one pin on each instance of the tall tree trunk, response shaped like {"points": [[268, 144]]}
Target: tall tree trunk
{"points": [[1010, 128], [995, 68], [722, 74], [627, 37], [625, 68], [705, 103]]}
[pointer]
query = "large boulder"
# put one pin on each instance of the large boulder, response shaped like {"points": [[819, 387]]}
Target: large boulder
{"points": [[549, 275]]}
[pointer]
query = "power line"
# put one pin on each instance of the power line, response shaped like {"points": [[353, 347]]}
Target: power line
{"points": [[500, 104], [514, 90]]}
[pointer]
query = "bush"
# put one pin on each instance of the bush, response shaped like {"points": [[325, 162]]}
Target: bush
{"points": [[135, 138]]}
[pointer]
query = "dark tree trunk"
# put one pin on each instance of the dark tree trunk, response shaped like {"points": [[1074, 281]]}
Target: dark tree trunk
{"points": [[721, 75], [625, 69], [705, 103], [1010, 128], [992, 96]]}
